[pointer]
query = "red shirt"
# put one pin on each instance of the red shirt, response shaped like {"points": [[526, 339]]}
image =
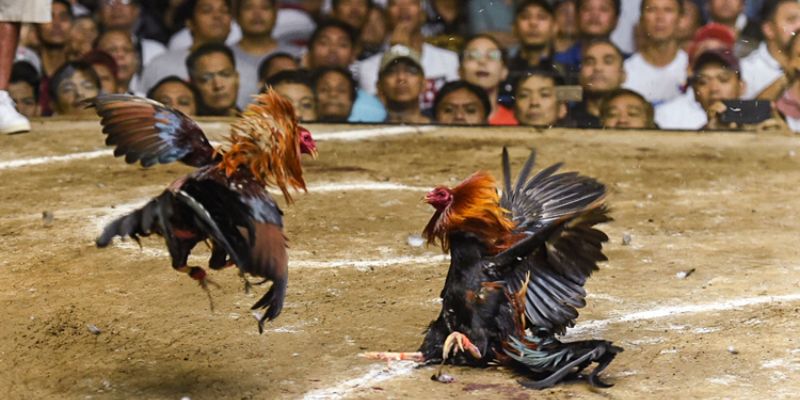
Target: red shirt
{"points": [[503, 116]]}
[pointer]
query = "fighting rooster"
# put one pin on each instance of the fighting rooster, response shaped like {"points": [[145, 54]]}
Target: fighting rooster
{"points": [[224, 202], [517, 270]]}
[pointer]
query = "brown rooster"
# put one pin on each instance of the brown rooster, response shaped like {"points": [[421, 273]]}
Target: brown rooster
{"points": [[224, 202], [517, 270]]}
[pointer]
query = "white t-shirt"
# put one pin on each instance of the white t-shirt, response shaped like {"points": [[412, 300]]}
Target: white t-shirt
{"points": [[656, 84], [759, 70], [682, 112], [622, 35], [439, 65]]}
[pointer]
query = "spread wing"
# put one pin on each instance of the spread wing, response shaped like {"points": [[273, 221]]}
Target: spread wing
{"points": [[149, 132], [557, 213]]}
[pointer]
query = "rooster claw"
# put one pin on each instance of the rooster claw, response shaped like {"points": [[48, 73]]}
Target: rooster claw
{"points": [[458, 342]]}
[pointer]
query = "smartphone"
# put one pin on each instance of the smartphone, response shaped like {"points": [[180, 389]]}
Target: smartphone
{"points": [[746, 112]]}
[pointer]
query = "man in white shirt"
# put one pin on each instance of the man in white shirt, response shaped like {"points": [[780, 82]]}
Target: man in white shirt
{"points": [[781, 18], [406, 18], [658, 70]]}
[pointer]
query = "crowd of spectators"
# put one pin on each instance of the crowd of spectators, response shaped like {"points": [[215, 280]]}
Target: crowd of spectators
{"points": [[649, 64]]}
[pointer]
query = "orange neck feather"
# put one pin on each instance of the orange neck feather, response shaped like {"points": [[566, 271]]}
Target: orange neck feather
{"points": [[265, 142], [475, 209]]}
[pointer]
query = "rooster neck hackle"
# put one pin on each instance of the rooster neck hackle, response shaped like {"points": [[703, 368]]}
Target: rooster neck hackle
{"points": [[475, 209], [265, 143]]}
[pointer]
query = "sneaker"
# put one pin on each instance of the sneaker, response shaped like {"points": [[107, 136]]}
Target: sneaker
{"points": [[11, 121]]}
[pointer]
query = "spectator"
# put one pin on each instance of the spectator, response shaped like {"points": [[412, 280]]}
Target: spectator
{"points": [[731, 14], [690, 21], [335, 91], [354, 13], [125, 15], [23, 88], [373, 34], [684, 112], [296, 86], [461, 103], [658, 70], [184, 38], [120, 46], [601, 73], [535, 29], [257, 19], [274, 63], [82, 36], [717, 77], [72, 82], [596, 20], [401, 82], [483, 64], [624, 108], [209, 22], [53, 37], [405, 22], [446, 24], [780, 19], [176, 93], [567, 30], [106, 69], [212, 69], [333, 44], [788, 103], [537, 102]]}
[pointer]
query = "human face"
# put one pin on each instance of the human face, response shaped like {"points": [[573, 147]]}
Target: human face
{"points": [[534, 27], [597, 18], [659, 19], [71, 91], [689, 21], [725, 11], [352, 12], [56, 33], [405, 15], [537, 103], [601, 69], [715, 83], [81, 37], [461, 107], [217, 81], [305, 109], [374, 30], [23, 96], [625, 112], [783, 24], [118, 44], [108, 82], [483, 65], [402, 82], [177, 96], [334, 93], [116, 14], [211, 21], [256, 17], [565, 19], [333, 48]]}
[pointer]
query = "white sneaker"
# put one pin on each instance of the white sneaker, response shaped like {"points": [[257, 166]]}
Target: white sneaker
{"points": [[11, 121]]}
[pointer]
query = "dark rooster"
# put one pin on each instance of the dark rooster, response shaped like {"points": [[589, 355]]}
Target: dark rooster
{"points": [[517, 270], [224, 202]]}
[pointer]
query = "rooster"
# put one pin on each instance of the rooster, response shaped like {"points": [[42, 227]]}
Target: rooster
{"points": [[224, 201], [517, 270]]}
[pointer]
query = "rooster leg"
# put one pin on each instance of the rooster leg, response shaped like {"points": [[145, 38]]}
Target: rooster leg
{"points": [[458, 342], [199, 274], [415, 356]]}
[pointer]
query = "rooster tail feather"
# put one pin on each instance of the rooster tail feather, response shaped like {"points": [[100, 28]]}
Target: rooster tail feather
{"points": [[140, 222], [272, 302]]}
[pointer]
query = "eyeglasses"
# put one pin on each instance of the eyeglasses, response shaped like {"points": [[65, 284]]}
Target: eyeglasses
{"points": [[477, 55]]}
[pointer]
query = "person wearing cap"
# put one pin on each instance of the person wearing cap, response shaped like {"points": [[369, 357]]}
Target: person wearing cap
{"points": [[717, 77], [401, 81], [405, 20], [658, 70], [684, 112], [731, 14]]}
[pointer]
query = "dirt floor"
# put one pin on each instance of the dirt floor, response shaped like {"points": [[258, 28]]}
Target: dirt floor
{"points": [[724, 206]]}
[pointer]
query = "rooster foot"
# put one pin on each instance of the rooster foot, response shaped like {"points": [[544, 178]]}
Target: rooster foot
{"points": [[415, 356], [458, 342], [200, 275]]}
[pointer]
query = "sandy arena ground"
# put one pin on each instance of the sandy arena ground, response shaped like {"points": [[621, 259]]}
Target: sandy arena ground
{"points": [[724, 206]]}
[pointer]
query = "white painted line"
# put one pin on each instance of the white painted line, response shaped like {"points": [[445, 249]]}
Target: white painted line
{"points": [[670, 311], [376, 374], [351, 135], [25, 162]]}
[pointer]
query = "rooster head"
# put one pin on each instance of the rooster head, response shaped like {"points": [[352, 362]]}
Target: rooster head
{"points": [[440, 198], [307, 143]]}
